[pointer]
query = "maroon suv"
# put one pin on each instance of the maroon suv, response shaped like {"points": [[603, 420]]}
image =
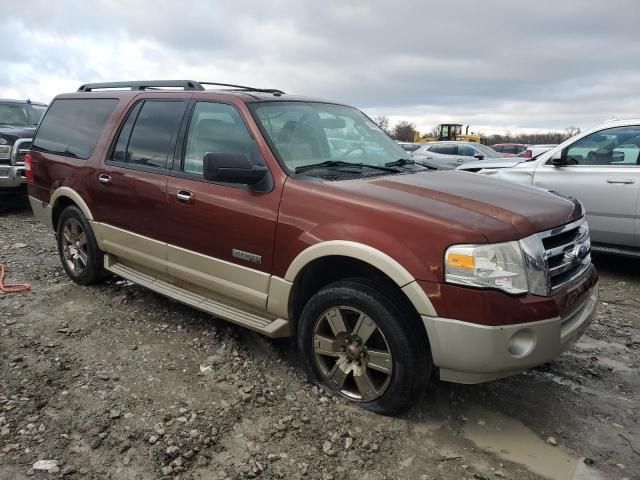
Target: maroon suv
{"points": [[296, 216]]}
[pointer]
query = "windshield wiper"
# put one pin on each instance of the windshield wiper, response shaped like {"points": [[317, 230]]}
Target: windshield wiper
{"points": [[401, 162], [341, 163]]}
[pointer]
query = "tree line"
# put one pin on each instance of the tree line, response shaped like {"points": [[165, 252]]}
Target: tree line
{"points": [[404, 131]]}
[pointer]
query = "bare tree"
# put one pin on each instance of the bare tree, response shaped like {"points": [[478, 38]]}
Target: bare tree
{"points": [[383, 122], [404, 131]]}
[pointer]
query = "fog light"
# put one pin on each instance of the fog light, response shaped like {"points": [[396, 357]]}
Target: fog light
{"points": [[522, 343]]}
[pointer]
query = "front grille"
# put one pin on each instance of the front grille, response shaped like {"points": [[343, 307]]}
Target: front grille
{"points": [[556, 257], [20, 149], [566, 252]]}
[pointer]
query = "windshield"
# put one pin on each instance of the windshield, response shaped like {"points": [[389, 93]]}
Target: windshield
{"points": [[20, 114], [308, 133], [488, 152]]}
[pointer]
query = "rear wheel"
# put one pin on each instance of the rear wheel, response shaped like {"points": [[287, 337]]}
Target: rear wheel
{"points": [[361, 341], [78, 249]]}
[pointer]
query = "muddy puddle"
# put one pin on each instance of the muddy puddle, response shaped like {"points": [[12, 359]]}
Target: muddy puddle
{"points": [[511, 440]]}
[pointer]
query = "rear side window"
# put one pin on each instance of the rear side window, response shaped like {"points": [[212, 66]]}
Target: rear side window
{"points": [[148, 133], [444, 149], [71, 127]]}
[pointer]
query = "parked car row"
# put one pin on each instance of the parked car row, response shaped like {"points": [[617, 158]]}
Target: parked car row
{"points": [[297, 217], [601, 168]]}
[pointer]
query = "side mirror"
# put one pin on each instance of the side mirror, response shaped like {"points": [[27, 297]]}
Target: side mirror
{"points": [[559, 159], [479, 156], [232, 168]]}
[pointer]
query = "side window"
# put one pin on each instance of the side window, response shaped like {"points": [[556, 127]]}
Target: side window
{"points": [[613, 146], [520, 149], [466, 151], [71, 127], [444, 149], [120, 151], [509, 149], [155, 126], [498, 148], [217, 128]]}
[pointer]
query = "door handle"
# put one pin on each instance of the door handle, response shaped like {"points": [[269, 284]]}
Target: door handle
{"points": [[624, 181], [184, 196], [104, 179]]}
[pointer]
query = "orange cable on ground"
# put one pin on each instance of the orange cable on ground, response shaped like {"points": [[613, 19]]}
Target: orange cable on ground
{"points": [[12, 287]]}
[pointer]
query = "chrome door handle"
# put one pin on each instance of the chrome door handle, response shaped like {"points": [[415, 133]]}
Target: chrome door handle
{"points": [[183, 196], [625, 181], [104, 178]]}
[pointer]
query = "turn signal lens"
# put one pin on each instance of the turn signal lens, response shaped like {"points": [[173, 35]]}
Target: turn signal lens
{"points": [[460, 261]]}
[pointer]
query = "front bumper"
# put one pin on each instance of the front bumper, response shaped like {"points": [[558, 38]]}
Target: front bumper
{"points": [[471, 353], [12, 176]]}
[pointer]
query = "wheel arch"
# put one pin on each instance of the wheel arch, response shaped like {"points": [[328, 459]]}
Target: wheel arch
{"points": [[330, 261], [61, 198]]}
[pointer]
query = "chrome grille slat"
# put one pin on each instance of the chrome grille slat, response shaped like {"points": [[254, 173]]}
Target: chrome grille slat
{"points": [[557, 256], [571, 265]]}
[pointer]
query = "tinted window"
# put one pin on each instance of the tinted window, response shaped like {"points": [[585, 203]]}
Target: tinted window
{"points": [[614, 146], [217, 128], [520, 148], [444, 149], [498, 148], [71, 127], [466, 151], [151, 136], [120, 150]]}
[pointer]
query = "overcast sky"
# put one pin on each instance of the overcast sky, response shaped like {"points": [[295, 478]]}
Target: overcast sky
{"points": [[497, 65]]}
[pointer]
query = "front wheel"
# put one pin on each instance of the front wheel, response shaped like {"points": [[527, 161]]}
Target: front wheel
{"points": [[361, 341]]}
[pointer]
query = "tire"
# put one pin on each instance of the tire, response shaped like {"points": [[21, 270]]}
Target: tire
{"points": [[375, 320], [81, 259]]}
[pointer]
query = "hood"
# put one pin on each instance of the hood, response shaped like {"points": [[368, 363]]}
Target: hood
{"points": [[505, 162], [497, 209], [11, 133]]}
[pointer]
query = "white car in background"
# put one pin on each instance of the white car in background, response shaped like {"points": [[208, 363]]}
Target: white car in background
{"points": [[601, 168]]}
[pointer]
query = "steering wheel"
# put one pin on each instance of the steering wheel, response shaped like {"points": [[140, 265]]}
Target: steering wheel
{"points": [[351, 150]]}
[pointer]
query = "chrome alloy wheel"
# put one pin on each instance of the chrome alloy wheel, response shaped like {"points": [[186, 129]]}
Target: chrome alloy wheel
{"points": [[74, 246], [352, 353]]}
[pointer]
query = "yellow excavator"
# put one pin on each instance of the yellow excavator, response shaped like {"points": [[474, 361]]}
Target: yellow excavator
{"points": [[449, 131]]}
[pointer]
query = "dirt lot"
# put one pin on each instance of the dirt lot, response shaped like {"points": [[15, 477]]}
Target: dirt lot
{"points": [[116, 382]]}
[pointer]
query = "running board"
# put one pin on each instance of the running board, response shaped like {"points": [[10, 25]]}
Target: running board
{"points": [[263, 323]]}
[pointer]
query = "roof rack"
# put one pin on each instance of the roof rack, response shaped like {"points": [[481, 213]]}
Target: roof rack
{"points": [[143, 85], [158, 84]]}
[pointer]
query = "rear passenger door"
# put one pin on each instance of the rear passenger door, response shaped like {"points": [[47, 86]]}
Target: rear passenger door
{"points": [[130, 187], [442, 156], [220, 236]]}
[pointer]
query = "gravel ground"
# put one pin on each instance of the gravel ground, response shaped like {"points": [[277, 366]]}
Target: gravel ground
{"points": [[116, 382]]}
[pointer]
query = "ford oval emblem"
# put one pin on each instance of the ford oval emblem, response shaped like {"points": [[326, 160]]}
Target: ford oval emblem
{"points": [[581, 251]]}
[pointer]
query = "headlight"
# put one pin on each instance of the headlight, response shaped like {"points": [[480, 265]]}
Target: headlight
{"points": [[5, 152], [500, 266]]}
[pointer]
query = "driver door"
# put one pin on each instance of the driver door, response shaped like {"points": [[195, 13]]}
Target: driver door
{"points": [[604, 174]]}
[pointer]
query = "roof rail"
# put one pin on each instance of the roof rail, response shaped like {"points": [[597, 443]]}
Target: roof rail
{"points": [[245, 88], [185, 84], [142, 85]]}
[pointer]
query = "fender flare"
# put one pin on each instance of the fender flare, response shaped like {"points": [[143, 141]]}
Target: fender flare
{"points": [[367, 254], [71, 195]]}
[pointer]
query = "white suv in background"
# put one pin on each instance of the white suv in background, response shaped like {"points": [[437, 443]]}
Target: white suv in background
{"points": [[601, 168]]}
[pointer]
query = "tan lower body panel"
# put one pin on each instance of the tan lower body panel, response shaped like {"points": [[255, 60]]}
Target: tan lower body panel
{"points": [[201, 299], [232, 292]]}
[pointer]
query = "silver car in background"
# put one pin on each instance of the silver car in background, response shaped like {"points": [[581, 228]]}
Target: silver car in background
{"points": [[601, 168], [447, 155]]}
